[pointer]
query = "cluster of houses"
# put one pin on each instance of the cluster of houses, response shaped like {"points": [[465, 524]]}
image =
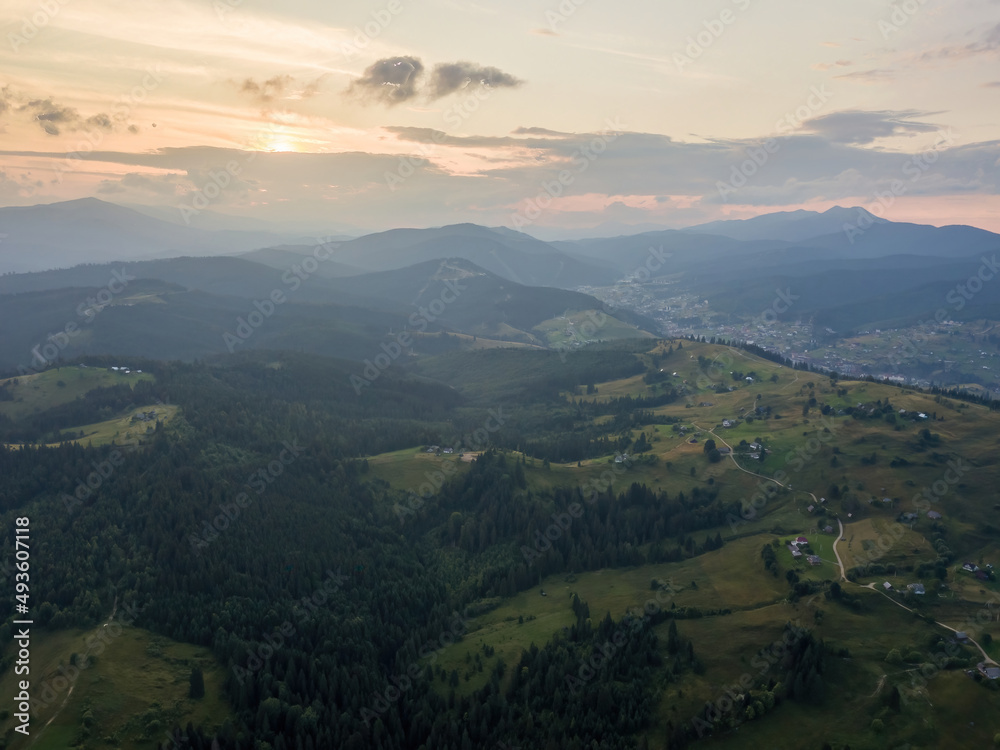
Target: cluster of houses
{"points": [[436, 449], [801, 541], [144, 416], [122, 370], [912, 517], [979, 573]]}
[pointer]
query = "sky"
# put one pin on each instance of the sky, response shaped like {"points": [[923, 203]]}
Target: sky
{"points": [[554, 118]]}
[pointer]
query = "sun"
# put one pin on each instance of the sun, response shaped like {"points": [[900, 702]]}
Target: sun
{"points": [[282, 143], [276, 142]]}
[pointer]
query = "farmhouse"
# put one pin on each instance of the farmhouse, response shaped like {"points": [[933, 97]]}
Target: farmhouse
{"points": [[971, 567], [887, 586], [725, 451], [990, 672], [726, 423], [934, 515], [814, 560], [795, 551], [802, 540], [828, 529], [917, 588]]}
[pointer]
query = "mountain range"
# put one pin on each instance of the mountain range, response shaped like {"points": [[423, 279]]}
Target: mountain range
{"points": [[846, 269]]}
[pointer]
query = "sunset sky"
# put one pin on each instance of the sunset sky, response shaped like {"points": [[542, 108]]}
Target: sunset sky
{"points": [[366, 116]]}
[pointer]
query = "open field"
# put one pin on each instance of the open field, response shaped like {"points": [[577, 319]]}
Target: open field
{"points": [[34, 393], [134, 689], [885, 450]]}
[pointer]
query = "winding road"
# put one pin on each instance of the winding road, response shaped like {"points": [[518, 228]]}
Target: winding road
{"points": [[840, 536]]}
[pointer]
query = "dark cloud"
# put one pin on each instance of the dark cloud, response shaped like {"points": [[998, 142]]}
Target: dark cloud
{"points": [[390, 81], [859, 127], [52, 117], [448, 78], [267, 91]]}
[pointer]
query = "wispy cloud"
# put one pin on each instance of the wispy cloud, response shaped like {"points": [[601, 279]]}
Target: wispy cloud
{"points": [[861, 126]]}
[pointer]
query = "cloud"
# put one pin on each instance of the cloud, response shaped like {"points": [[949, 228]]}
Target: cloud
{"points": [[992, 85], [392, 80], [7, 99], [988, 44], [52, 117], [163, 185], [634, 169], [398, 79], [859, 127], [836, 64], [269, 90], [874, 75], [282, 87], [448, 78]]}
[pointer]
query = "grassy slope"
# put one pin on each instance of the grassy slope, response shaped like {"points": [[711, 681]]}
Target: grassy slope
{"points": [[38, 392], [135, 689], [801, 447]]}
